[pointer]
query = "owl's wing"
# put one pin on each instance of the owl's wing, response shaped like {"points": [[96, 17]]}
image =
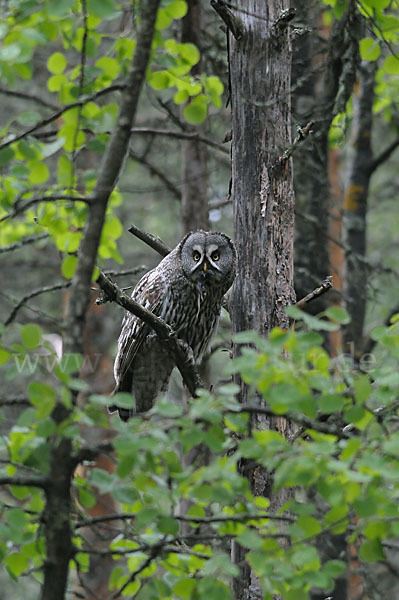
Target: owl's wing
{"points": [[150, 293]]}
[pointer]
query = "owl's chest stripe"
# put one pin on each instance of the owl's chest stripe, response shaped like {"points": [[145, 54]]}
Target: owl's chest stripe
{"points": [[194, 319]]}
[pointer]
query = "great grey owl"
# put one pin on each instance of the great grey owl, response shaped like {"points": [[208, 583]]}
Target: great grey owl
{"points": [[186, 290]]}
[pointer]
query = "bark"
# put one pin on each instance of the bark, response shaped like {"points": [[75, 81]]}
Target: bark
{"points": [[331, 90], [194, 169], [260, 63], [57, 512], [355, 209]]}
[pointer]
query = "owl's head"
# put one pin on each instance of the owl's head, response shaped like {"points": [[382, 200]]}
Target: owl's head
{"points": [[208, 259]]}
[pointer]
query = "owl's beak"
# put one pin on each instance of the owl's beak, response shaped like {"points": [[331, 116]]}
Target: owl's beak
{"points": [[205, 266]]}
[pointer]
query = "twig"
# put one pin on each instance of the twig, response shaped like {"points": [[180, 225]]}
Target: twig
{"points": [[303, 133], [240, 518], [28, 240], [28, 96], [299, 419], [62, 285], [385, 154], [43, 290], [233, 23], [167, 336], [40, 482], [17, 401], [319, 291], [154, 170], [151, 240], [181, 135], [32, 201], [156, 549], [58, 113]]}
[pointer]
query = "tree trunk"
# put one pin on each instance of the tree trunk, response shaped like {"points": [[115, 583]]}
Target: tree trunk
{"points": [[263, 196], [194, 202], [355, 209]]}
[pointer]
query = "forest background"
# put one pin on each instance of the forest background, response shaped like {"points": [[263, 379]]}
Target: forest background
{"points": [[217, 496]]}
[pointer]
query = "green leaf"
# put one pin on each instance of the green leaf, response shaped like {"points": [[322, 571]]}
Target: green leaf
{"points": [[369, 49], [391, 64], [60, 8], [110, 66], [177, 9], [17, 563], [31, 334], [4, 355], [113, 227], [372, 551], [39, 172], [159, 80], [57, 63], [167, 525], [190, 53], [86, 498], [6, 154], [184, 588], [68, 266], [338, 314], [101, 8], [195, 112]]}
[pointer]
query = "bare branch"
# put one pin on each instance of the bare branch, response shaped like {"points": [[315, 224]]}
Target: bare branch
{"points": [[17, 401], [241, 518], [38, 292], [385, 154], [182, 135], [319, 291], [151, 240], [39, 482], [31, 239], [19, 208], [154, 170], [58, 113], [295, 418], [303, 133], [28, 96], [167, 336]]}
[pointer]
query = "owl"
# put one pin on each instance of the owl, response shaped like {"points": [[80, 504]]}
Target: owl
{"points": [[186, 290]]}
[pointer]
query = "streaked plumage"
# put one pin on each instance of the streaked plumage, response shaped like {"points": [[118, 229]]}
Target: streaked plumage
{"points": [[186, 290]]}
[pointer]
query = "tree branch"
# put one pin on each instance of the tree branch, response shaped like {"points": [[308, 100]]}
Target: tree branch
{"points": [[319, 291], [183, 360], [154, 170], [58, 113], [303, 133], [385, 154], [28, 96], [39, 482], [241, 518], [31, 239], [151, 240], [298, 419], [19, 208], [182, 136]]}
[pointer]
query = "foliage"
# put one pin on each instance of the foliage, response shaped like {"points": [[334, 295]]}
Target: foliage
{"points": [[41, 174], [343, 462]]}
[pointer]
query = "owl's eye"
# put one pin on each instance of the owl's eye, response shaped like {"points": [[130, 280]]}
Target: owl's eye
{"points": [[196, 255], [215, 256]]}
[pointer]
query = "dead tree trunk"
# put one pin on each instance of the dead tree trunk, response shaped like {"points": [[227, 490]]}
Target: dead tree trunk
{"points": [[355, 209], [263, 196]]}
